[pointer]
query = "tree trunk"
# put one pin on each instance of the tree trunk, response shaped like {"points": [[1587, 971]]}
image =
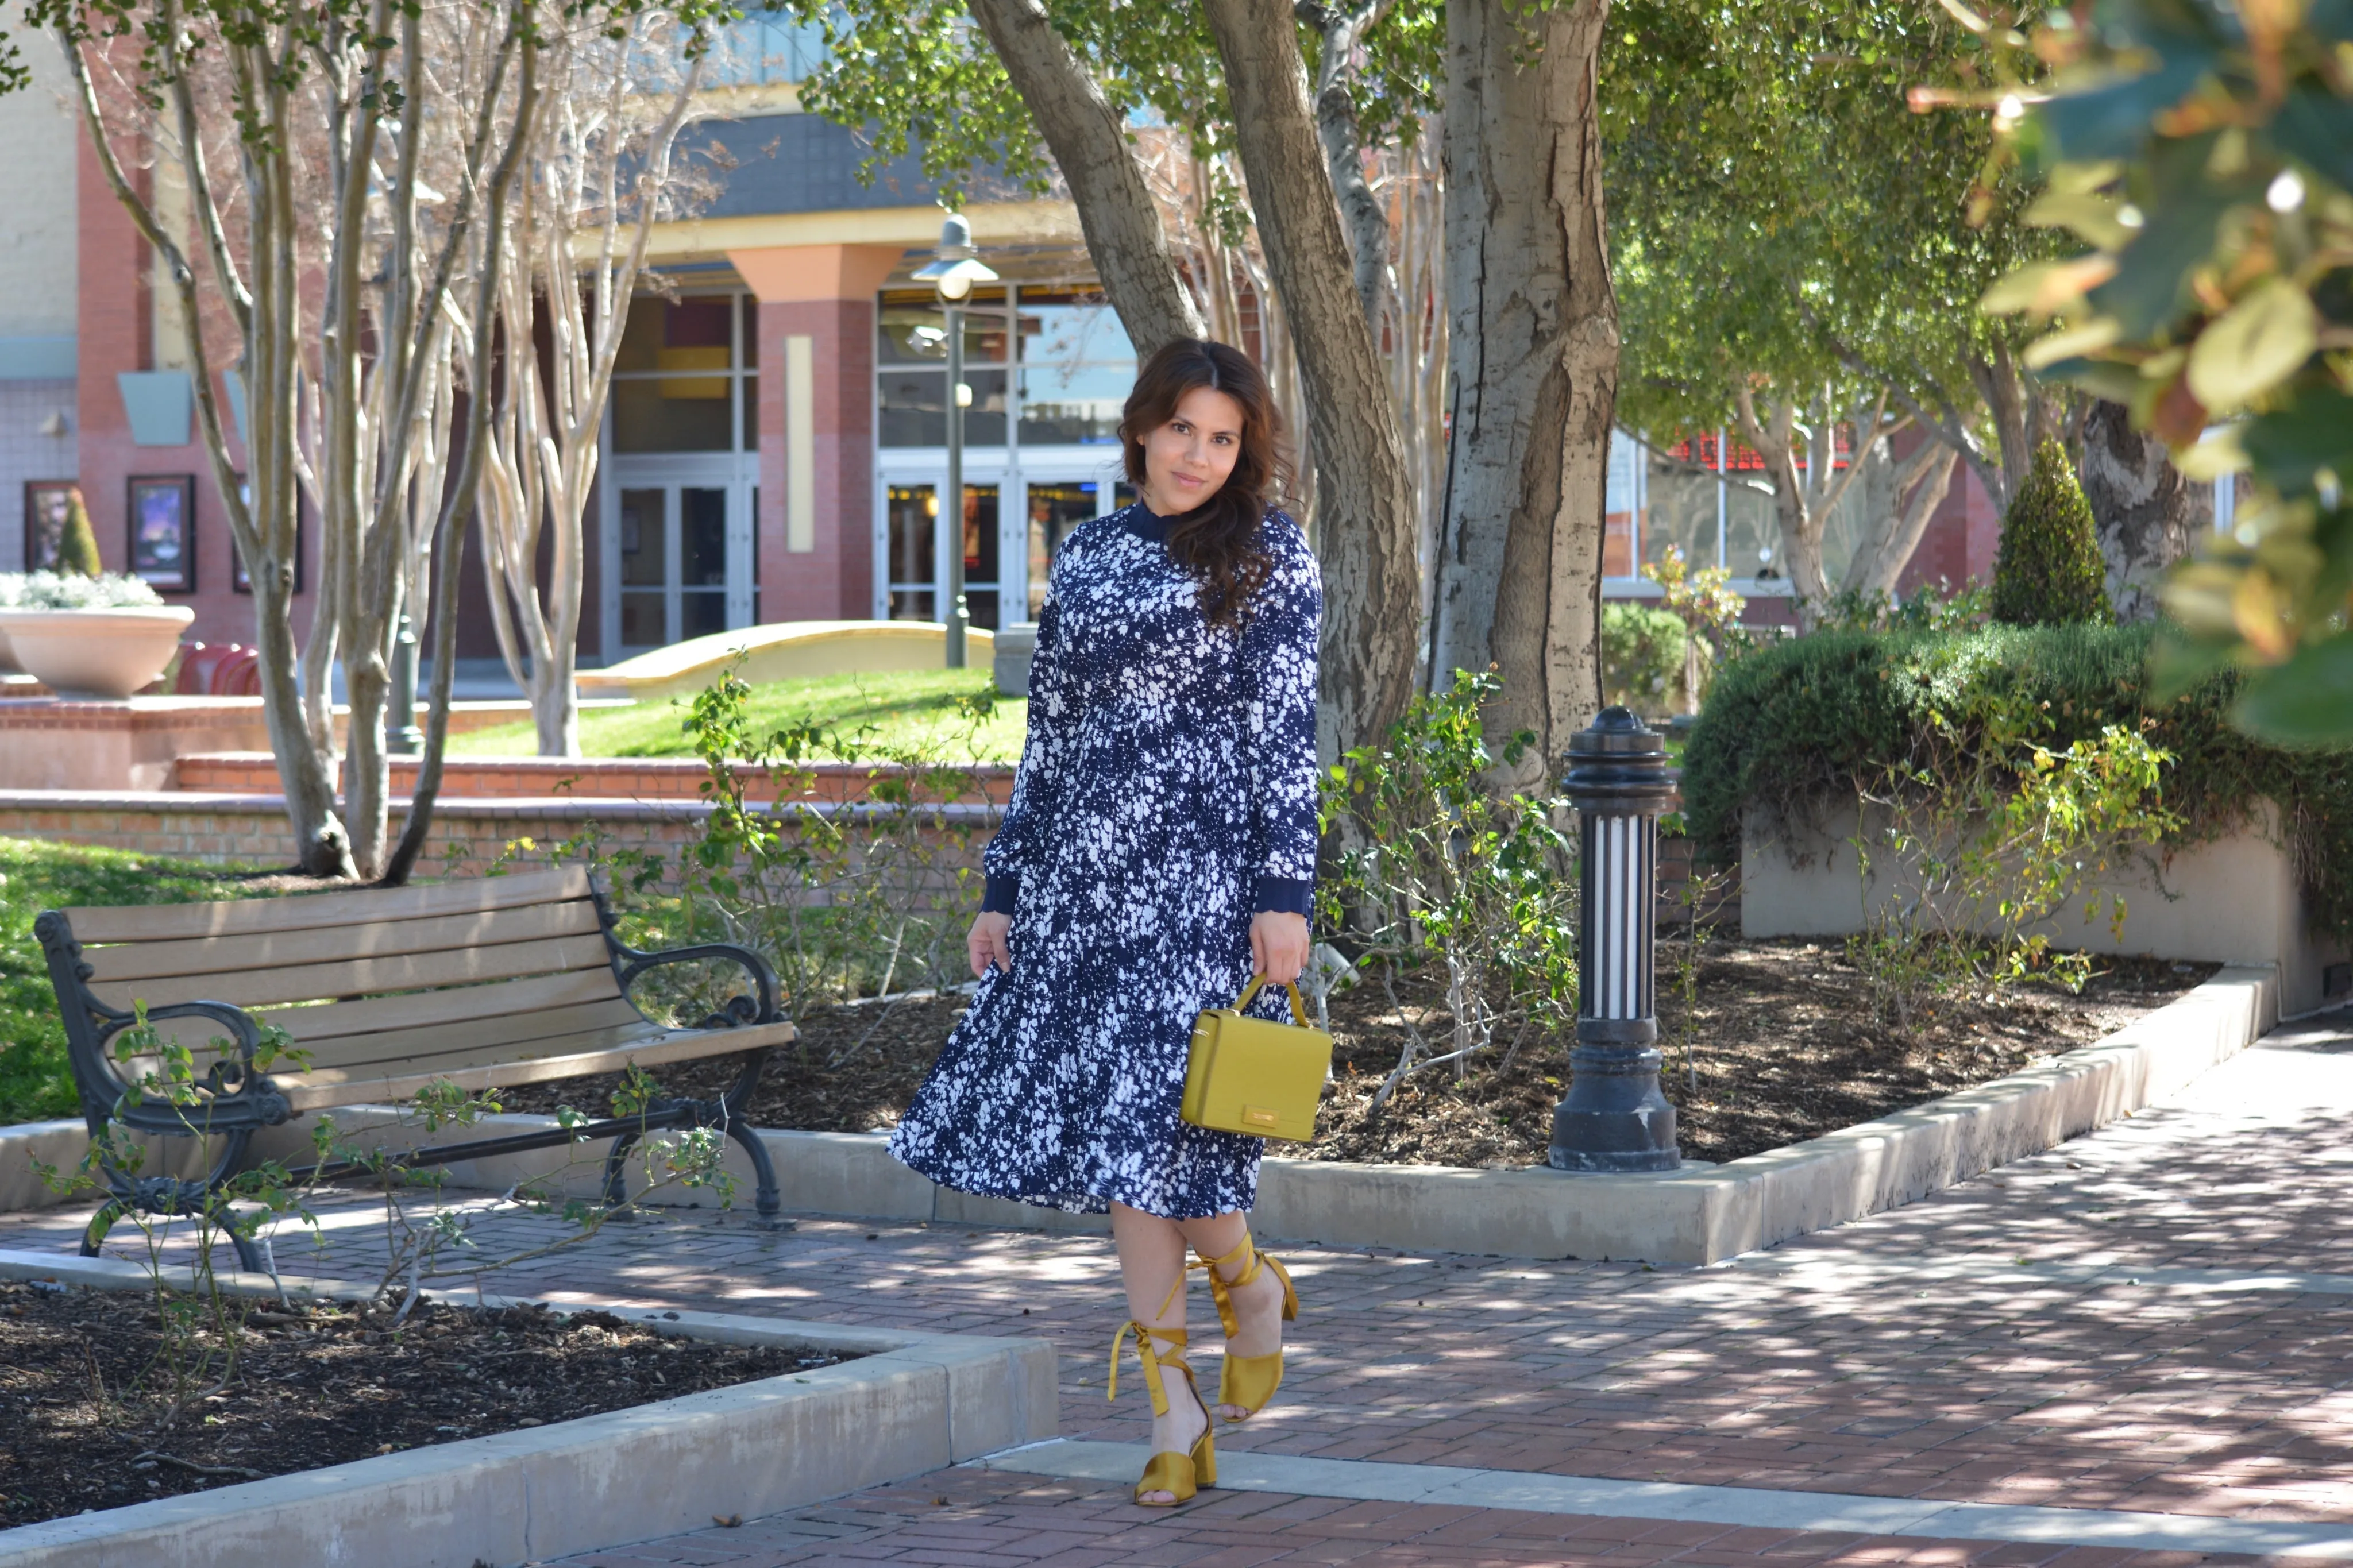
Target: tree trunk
{"points": [[1918, 488], [2148, 516], [1366, 525], [262, 512], [1533, 347], [1344, 147], [1116, 211]]}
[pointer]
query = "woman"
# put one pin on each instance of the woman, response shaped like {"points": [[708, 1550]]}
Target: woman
{"points": [[1158, 850]]}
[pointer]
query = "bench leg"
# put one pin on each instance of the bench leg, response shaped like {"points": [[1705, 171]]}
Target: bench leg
{"points": [[768, 1200], [765, 1199], [131, 1194]]}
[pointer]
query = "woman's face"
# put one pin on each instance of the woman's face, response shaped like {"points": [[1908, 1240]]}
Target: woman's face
{"points": [[1189, 459]]}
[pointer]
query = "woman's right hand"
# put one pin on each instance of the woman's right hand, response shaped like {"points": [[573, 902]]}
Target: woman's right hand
{"points": [[986, 943]]}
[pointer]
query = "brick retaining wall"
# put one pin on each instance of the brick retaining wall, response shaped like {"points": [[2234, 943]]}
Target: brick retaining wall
{"points": [[470, 833], [577, 778], [467, 834]]}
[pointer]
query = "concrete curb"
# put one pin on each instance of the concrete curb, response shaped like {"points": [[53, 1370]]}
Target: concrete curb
{"points": [[1700, 1215], [1697, 1216], [914, 1403]]}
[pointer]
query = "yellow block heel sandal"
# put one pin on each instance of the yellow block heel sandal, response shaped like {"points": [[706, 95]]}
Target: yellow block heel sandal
{"points": [[1249, 1381], [1172, 1472]]}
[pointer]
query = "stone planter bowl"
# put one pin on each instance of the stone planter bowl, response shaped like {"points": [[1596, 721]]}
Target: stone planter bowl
{"points": [[101, 654]]}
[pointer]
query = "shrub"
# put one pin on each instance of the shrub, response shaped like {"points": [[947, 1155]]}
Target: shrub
{"points": [[78, 546], [1643, 656], [1943, 608], [1798, 726], [2048, 570]]}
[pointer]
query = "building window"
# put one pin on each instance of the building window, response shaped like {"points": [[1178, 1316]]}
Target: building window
{"points": [[677, 383], [1049, 370], [1077, 366], [911, 354], [1707, 497]]}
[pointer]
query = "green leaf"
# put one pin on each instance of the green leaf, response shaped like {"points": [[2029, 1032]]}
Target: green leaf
{"points": [[2259, 342], [2153, 272], [2308, 701], [2290, 445], [2110, 120], [2317, 128]]}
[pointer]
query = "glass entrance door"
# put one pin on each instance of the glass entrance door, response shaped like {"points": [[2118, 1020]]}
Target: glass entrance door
{"points": [[916, 550], [674, 548], [1056, 507]]}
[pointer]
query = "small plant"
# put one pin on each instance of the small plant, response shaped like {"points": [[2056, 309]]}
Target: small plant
{"points": [[1981, 837], [200, 1327], [2048, 570], [1701, 894], [72, 591], [844, 897], [1439, 874], [424, 1235], [1707, 607]]}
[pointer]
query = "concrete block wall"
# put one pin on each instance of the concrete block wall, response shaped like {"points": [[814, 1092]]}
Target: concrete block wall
{"points": [[27, 455]]}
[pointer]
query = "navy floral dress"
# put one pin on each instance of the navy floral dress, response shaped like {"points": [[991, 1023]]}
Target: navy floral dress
{"points": [[1166, 793]]}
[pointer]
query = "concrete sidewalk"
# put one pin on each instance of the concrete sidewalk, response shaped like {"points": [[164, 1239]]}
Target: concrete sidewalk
{"points": [[2150, 1321]]}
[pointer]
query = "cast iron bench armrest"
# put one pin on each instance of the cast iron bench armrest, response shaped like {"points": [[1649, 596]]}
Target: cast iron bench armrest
{"points": [[239, 1095], [629, 964]]}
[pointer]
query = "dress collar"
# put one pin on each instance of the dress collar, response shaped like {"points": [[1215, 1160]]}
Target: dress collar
{"points": [[1145, 523]]}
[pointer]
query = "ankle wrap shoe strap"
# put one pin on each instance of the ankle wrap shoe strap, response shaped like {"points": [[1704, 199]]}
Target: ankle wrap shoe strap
{"points": [[1153, 1360]]}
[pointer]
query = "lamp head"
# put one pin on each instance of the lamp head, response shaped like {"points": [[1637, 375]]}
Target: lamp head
{"points": [[955, 268]]}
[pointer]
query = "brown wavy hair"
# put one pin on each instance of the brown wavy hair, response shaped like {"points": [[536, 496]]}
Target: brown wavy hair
{"points": [[1217, 540]]}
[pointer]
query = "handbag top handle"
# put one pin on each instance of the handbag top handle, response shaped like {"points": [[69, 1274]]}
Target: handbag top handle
{"points": [[1298, 1008]]}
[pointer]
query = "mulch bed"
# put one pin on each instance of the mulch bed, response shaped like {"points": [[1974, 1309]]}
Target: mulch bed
{"points": [[1779, 1046], [83, 1397]]}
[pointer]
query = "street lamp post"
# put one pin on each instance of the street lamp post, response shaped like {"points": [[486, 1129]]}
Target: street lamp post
{"points": [[1614, 1118], [954, 269]]}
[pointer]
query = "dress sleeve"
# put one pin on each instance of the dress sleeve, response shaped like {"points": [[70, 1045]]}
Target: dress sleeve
{"points": [[1278, 663], [1045, 754]]}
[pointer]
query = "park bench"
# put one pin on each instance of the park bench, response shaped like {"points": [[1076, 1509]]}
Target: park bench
{"points": [[487, 984]]}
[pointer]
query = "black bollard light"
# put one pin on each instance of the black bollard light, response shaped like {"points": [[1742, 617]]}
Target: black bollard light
{"points": [[1614, 1118]]}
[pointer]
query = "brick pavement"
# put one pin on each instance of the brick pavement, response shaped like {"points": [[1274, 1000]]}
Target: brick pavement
{"points": [[2001, 1385]]}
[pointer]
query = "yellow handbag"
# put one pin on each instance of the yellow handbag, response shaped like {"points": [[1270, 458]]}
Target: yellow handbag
{"points": [[1254, 1076]]}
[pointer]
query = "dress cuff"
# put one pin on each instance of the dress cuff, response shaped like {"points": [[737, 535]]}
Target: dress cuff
{"points": [[998, 897], [1286, 895]]}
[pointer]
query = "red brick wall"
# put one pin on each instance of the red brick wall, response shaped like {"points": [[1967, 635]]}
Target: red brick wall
{"points": [[835, 581], [114, 323]]}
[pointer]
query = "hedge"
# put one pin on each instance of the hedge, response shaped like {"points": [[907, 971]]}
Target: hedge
{"points": [[1790, 729]]}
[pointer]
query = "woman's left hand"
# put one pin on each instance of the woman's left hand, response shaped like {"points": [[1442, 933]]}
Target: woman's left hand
{"points": [[1279, 945]]}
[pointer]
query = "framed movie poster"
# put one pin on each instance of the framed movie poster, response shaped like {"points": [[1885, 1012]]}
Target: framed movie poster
{"points": [[164, 531], [238, 582], [49, 503]]}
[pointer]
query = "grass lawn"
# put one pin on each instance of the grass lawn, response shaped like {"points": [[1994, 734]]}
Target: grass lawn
{"points": [[894, 709], [35, 875]]}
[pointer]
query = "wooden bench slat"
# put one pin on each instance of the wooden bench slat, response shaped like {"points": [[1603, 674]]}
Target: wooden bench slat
{"points": [[405, 972], [496, 1053], [316, 1027], [684, 1045], [519, 1028], [232, 956], [517, 1031], [302, 911]]}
